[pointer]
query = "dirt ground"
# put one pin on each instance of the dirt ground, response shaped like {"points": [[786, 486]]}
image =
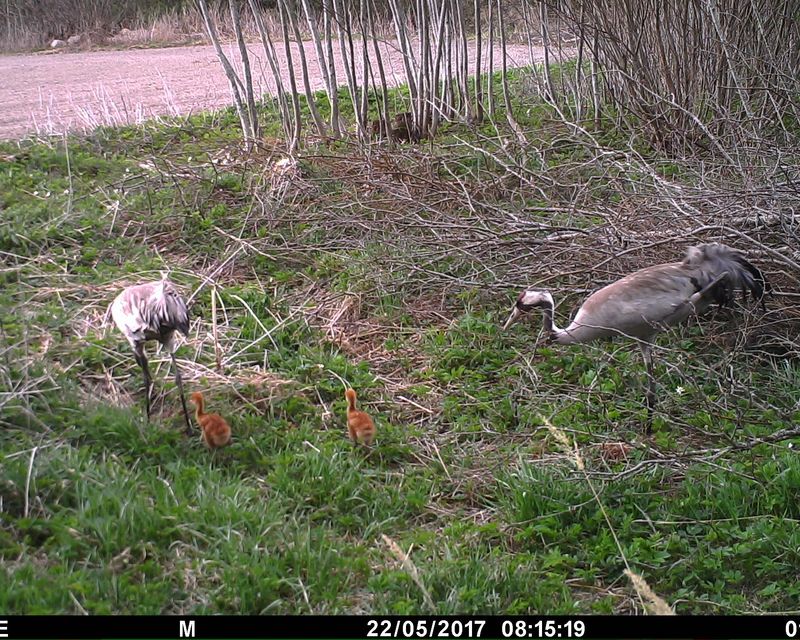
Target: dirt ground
{"points": [[52, 92]]}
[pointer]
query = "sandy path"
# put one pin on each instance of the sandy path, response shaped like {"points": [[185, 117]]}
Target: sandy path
{"points": [[50, 93]]}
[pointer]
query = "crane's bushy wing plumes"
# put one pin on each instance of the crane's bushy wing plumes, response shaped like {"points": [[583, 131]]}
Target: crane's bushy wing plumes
{"points": [[169, 309], [711, 260]]}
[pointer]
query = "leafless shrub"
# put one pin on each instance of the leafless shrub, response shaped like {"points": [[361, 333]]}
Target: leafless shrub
{"points": [[431, 42], [241, 87], [713, 73]]}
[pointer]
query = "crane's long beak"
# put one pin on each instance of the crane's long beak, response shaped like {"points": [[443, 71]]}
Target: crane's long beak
{"points": [[516, 314]]}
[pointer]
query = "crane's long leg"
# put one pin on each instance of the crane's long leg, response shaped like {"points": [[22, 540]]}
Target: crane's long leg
{"points": [[141, 360], [650, 395], [179, 382]]}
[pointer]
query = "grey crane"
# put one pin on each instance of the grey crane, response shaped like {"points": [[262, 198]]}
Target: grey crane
{"points": [[650, 300], [153, 311]]}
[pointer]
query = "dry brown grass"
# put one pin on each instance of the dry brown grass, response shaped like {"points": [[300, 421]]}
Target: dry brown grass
{"points": [[29, 26], [100, 27]]}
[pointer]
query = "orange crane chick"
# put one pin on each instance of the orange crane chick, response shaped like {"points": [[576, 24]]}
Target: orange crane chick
{"points": [[359, 424], [215, 430]]}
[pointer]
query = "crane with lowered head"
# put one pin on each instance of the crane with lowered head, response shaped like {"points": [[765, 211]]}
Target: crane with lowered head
{"points": [[647, 302], [153, 311]]}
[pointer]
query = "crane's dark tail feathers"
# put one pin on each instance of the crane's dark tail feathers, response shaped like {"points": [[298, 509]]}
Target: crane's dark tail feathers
{"points": [[713, 259]]}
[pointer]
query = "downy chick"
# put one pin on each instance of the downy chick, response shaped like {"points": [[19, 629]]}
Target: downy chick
{"points": [[359, 424], [215, 430]]}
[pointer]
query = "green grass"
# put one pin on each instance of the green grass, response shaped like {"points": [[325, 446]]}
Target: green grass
{"points": [[103, 512]]}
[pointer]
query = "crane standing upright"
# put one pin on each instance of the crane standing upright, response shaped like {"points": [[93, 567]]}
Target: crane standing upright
{"points": [[650, 300], [153, 311]]}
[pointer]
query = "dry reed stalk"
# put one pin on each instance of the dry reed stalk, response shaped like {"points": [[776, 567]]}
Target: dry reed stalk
{"points": [[655, 603], [643, 590], [410, 568], [28, 482], [217, 353]]}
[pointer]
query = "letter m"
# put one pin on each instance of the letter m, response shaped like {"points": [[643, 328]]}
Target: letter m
{"points": [[186, 629]]}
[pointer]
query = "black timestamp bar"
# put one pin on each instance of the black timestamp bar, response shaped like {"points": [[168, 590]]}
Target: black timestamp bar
{"points": [[202, 627]]}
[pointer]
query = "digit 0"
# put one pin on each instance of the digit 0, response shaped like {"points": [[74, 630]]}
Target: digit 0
{"points": [[510, 629], [791, 629]]}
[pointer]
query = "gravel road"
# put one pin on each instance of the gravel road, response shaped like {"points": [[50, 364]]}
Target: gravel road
{"points": [[52, 92]]}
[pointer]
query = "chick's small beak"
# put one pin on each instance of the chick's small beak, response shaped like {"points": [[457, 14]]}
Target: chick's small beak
{"points": [[516, 314]]}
